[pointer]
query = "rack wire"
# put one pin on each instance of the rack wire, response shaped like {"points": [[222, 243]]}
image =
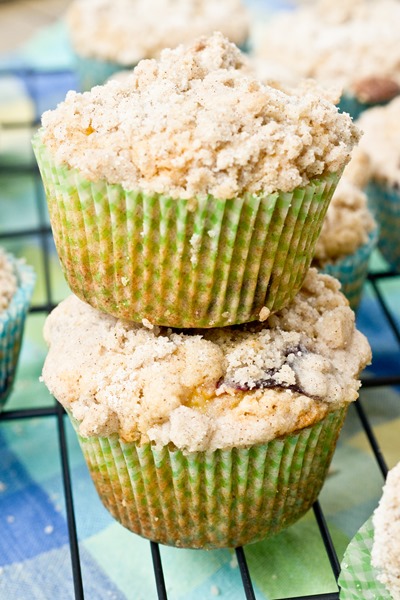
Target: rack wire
{"points": [[43, 234]]}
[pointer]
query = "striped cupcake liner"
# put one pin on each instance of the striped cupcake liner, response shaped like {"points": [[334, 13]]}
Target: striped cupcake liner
{"points": [[352, 270], [351, 105], [385, 204], [358, 578], [182, 263], [224, 498], [12, 321]]}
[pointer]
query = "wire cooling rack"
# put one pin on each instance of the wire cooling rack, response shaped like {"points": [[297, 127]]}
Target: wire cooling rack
{"points": [[43, 236]]}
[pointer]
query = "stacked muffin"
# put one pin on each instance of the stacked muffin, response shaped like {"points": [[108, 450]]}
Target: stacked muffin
{"points": [[206, 370]]}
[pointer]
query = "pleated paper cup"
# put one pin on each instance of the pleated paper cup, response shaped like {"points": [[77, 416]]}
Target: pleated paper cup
{"points": [[12, 321], [358, 579], [352, 270], [182, 263], [354, 107], [224, 498], [385, 204]]}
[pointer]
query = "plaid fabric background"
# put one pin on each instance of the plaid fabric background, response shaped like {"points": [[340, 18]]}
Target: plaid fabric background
{"points": [[116, 564]]}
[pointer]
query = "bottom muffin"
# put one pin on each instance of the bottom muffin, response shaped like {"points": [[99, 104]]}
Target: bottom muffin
{"points": [[208, 438], [16, 286]]}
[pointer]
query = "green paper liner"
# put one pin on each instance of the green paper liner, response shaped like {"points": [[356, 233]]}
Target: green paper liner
{"points": [[385, 204], [358, 578], [224, 498], [181, 263], [352, 270], [12, 322]]}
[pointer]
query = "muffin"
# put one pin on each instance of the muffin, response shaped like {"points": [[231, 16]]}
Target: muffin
{"points": [[349, 233], [381, 142], [110, 35], [371, 564], [386, 546], [190, 194], [350, 44], [208, 438], [16, 287]]}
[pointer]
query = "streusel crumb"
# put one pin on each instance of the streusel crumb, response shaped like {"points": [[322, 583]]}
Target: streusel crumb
{"points": [[197, 122]]}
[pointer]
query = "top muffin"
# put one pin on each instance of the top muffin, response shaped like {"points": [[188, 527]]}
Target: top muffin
{"points": [[353, 44], [125, 31], [197, 122]]}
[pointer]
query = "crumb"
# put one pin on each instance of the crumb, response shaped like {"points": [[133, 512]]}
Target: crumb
{"points": [[124, 281], [175, 140], [147, 324], [264, 313], [215, 590]]}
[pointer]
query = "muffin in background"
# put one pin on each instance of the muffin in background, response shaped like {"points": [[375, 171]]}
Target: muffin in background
{"points": [[350, 44], [16, 286], [111, 35], [208, 438], [190, 194], [381, 142], [349, 233]]}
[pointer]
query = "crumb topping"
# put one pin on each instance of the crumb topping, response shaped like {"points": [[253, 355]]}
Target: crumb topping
{"points": [[381, 141], [207, 389], [8, 281], [348, 43], [386, 547], [348, 220], [126, 31], [197, 122]]}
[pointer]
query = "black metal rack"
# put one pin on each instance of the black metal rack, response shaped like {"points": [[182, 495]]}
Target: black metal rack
{"points": [[43, 233]]}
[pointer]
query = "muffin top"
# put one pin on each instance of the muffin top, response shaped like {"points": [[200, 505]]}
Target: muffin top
{"points": [[125, 31], [348, 220], [351, 43], [386, 546], [381, 141], [206, 389], [198, 122], [8, 281]]}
